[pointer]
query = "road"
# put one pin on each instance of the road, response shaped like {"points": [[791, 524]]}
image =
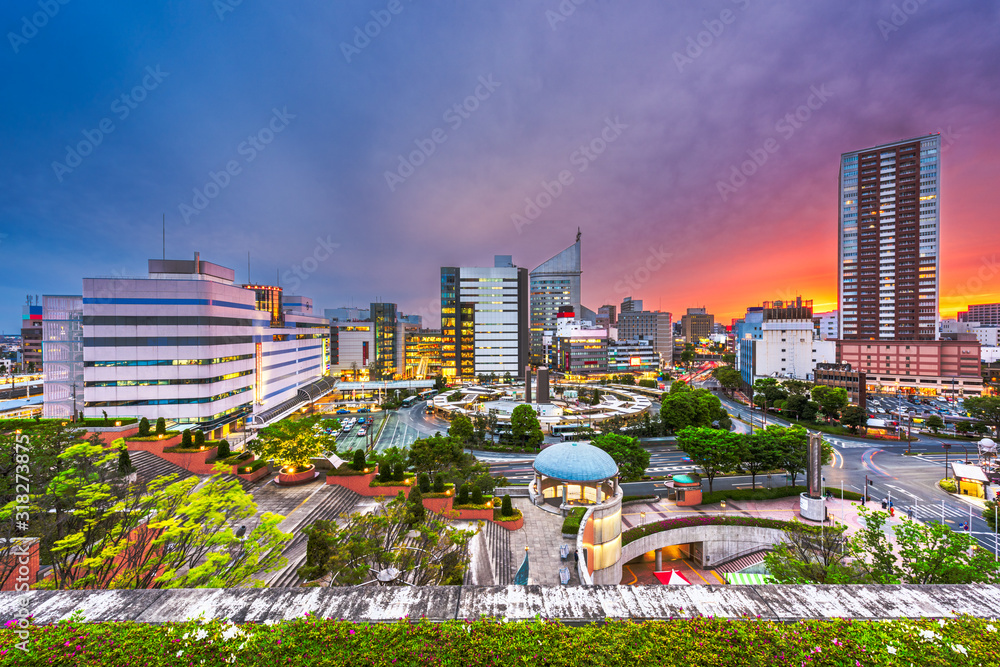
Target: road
{"points": [[909, 480]]}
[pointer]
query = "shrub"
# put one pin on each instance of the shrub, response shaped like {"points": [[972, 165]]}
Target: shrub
{"points": [[571, 524], [199, 438], [223, 452], [477, 496], [463, 495], [251, 467], [424, 483], [161, 426], [506, 508], [417, 511], [948, 485], [438, 484], [143, 427], [186, 438], [359, 460], [398, 473], [385, 473]]}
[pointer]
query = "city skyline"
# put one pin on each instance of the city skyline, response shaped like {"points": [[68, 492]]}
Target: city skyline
{"points": [[602, 119]]}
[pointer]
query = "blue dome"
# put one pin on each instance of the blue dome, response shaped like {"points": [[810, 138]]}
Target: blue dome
{"points": [[575, 462]]}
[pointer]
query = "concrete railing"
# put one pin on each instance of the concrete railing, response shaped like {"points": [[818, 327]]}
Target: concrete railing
{"points": [[579, 604]]}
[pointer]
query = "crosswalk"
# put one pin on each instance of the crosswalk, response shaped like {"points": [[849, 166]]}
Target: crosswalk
{"points": [[848, 444]]}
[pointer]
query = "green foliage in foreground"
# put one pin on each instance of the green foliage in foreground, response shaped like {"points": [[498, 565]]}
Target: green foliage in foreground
{"points": [[706, 642]]}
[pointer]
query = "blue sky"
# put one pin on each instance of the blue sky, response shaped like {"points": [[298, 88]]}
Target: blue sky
{"points": [[314, 205]]}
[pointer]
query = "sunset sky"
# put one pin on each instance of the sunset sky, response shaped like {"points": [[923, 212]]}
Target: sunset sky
{"points": [[682, 95]]}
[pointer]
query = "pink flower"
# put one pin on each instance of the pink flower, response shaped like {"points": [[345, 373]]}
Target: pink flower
{"points": [[352, 632]]}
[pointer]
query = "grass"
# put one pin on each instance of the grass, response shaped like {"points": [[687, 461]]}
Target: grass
{"points": [[408, 476], [769, 494], [628, 499], [497, 516], [571, 524], [692, 640], [837, 429], [153, 437], [251, 467]]}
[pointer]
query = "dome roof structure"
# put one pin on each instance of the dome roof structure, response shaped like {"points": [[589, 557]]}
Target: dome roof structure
{"points": [[575, 462]]}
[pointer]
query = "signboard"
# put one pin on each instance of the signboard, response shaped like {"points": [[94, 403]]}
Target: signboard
{"points": [[635, 361]]}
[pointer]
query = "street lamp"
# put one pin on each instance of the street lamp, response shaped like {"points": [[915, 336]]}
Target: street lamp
{"points": [[946, 446]]}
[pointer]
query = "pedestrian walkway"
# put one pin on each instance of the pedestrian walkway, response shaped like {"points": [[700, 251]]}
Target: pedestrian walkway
{"points": [[542, 534]]}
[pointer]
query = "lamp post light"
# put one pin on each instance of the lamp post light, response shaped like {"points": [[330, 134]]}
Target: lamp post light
{"points": [[642, 518], [946, 446]]}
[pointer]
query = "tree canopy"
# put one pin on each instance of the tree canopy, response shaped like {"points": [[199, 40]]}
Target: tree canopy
{"points": [[684, 407], [986, 409], [632, 458], [461, 429], [525, 429], [292, 442], [714, 451]]}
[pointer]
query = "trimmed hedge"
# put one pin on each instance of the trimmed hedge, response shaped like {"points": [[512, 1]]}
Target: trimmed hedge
{"points": [[152, 438], [395, 482], [95, 422], [251, 467], [498, 515], [770, 494], [633, 534], [948, 485], [628, 499], [708, 642], [571, 524]]}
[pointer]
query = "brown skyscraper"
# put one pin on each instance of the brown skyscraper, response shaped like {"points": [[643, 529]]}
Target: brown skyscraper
{"points": [[888, 240]]}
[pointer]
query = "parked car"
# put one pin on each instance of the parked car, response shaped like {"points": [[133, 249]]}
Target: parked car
{"points": [[362, 432], [343, 411], [364, 410]]}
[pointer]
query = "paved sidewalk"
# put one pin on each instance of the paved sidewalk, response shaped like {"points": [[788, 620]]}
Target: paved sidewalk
{"points": [[542, 534]]}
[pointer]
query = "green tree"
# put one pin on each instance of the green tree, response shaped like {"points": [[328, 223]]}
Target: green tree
{"points": [[186, 440], [920, 553], [506, 508], [161, 426], [435, 453], [525, 429], [797, 387], [628, 453], [143, 428], [692, 407], [831, 400], [461, 429], [293, 442], [429, 553], [935, 423], [222, 449], [729, 359], [199, 438], [853, 417], [805, 557], [986, 409], [463, 495], [359, 462], [417, 510], [767, 391], [729, 378], [124, 462], [795, 405], [761, 451], [712, 450], [990, 514]]}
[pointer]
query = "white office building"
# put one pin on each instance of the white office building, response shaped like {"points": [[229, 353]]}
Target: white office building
{"points": [[188, 344], [787, 346]]}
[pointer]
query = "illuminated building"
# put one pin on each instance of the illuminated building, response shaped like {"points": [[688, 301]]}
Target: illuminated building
{"points": [[31, 336], [696, 324], [62, 355], [188, 344], [651, 325], [888, 254], [632, 356], [581, 348], [423, 354], [554, 285], [484, 319]]}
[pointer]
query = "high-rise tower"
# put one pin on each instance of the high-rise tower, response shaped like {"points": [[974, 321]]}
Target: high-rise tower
{"points": [[888, 241]]}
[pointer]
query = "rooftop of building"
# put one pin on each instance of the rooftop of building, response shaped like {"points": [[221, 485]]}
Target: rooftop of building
{"points": [[575, 462]]}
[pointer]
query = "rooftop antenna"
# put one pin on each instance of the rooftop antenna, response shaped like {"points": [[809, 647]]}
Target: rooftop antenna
{"points": [[164, 236], [578, 234], [277, 281]]}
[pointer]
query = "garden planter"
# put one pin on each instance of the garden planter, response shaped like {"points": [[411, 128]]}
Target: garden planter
{"points": [[439, 505], [359, 484], [296, 478]]}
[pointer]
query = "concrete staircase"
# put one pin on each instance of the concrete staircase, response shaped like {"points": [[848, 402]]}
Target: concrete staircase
{"points": [[498, 543], [149, 466], [328, 503]]}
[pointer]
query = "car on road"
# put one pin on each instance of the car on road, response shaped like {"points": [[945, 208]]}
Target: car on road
{"points": [[362, 432], [343, 411], [363, 410]]}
